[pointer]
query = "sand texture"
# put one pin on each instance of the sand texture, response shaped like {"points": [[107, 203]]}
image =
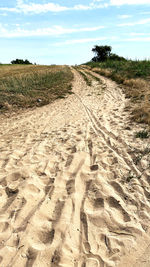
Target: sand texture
{"points": [[74, 191]]}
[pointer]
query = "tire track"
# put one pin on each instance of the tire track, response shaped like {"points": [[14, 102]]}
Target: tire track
{"points": [[106, 137]]}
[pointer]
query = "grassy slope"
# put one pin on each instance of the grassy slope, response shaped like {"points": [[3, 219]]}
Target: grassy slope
{"points": [[127, 69], [135, 77], [21, 86]]}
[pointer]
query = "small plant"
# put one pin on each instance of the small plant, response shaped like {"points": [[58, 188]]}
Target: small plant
{"points": [[142, 134]]}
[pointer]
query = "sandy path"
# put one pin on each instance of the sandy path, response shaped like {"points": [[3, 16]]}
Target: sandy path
{"points": [[71, 191]]}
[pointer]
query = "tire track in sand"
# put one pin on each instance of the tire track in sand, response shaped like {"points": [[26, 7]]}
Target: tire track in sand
{"points": [[64, 193]]}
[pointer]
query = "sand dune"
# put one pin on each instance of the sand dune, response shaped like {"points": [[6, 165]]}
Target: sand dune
{"points": [[73, 192]]}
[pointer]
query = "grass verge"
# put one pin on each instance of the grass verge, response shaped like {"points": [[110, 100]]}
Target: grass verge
{"points": [[85, 77], [135, 78], [29, 86]]}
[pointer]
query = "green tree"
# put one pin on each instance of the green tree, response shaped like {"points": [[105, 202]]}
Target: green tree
{"points": [[116, 57], [102, 53], [20, 61]]}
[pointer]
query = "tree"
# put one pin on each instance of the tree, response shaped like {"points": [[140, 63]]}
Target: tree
{"points": [[116, 57], [102, 53], [21, 61]]}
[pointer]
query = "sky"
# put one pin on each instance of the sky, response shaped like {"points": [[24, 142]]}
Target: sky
{"points": [[65, 31]]}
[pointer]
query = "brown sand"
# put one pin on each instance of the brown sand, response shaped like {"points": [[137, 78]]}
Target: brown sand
{"points": [[72, 192]]}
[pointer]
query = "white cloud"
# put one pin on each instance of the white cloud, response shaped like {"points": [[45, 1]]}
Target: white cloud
{"points": [[129, 2], [39, 8], [53, 31], [137, 39], [85, 40], [35, 8], [124, 16], [139, 22], [138, 34], [81, 41]]}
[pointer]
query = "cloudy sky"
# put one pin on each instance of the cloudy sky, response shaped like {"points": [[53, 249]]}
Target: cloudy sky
{"points": [[65, 31]]}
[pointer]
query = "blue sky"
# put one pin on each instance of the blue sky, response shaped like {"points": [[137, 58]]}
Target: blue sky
{"points": [[65, 31]]}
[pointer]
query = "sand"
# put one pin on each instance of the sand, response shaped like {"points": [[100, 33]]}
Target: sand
{"points": [[72, 190]]}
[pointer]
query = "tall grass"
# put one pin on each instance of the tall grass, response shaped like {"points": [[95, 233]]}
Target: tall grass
{"points": [[129, 68], [22, 87]]}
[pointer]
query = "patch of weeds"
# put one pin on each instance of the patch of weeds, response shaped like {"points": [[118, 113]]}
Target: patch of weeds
{"points": [[94, 77], [70, 93], [142, 134], [85, 77], [60, 97]]}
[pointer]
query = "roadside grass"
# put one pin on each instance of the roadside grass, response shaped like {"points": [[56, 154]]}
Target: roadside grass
{"points": [[128, 69], [135, 78], [85, 77], [28, 86], [94, 77]]}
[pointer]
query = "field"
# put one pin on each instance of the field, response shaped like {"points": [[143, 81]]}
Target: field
{"points": [[23, 86], [135, 78]]}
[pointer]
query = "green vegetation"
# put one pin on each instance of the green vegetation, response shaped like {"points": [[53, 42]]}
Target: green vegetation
{"points": [[142, 134], [29, 86], [103, 53], [85, 76], [127, 69], [21, 61], [135, 78], [93, 76]]}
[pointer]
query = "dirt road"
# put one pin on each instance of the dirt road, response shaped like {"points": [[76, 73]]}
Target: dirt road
{"points": [[74, 184]]}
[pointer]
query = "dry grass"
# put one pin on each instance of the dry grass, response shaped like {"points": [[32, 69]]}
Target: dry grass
{"points": [[84, 75], [23, 86], [137, 89], [15, 70]]}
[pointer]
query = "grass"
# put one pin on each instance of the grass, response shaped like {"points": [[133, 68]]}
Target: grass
{"points": [[142, 135], [28, 86], [94, 77], [127, 69], [85, 77], [135, 78]]}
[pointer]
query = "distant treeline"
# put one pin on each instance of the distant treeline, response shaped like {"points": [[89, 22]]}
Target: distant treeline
{"points": [[21, 61]]}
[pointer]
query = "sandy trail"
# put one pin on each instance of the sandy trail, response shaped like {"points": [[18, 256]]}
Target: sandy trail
{"points": [[72, 193]]}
